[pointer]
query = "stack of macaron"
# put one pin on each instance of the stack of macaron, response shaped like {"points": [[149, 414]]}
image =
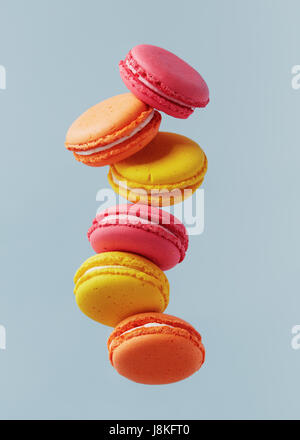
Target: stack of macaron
{"points": [[123, 285]]}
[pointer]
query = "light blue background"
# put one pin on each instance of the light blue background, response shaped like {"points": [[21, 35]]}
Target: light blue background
{"points": [[239, 284]]}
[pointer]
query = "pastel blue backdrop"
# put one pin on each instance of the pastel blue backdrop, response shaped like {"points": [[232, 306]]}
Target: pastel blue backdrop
{"points": [[239, 284]]}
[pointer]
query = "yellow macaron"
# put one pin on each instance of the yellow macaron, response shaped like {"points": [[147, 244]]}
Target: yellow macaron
{"points": [[167, 171], [111, 286]]}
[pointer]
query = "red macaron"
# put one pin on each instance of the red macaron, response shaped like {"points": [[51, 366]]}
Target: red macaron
{"points": [[163, 80], [140, 229]]}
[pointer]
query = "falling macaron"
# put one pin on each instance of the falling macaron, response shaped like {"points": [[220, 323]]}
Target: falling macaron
{"points": [[112, 130], [167, 171], [111, 286], [155, 349], [163, 80], [124, 285], [140, 229]]}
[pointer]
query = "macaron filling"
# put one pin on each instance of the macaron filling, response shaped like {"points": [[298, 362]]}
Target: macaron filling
{"points": [[110, 266], [92, 269], [155, 89], [148, 325], [118, 141]]}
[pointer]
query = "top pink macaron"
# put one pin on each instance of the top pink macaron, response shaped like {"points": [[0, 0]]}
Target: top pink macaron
{"points": [[140, 229], [163, 80]]}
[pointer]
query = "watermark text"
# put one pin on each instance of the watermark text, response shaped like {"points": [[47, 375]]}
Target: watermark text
{"points": [[2, 337], [295, 341], [2, 78], [191, 212], [296, 77]]}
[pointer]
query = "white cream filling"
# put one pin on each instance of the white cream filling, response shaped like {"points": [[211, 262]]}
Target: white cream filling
{"points": [[155, 89], [119, 141], [92, 269], [150, 324], [133, 220]]}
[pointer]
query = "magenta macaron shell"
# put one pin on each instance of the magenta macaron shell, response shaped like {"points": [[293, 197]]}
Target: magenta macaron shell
{"points": [[140, 229], [163, 80]]}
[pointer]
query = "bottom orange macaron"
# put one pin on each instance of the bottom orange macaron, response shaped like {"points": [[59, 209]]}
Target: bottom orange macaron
{"points": [[155, 349]]}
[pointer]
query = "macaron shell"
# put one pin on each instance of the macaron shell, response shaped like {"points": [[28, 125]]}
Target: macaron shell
{"points": [[107, 121], [130, 238], [147, 95], [124, 149], [172, 74], [170, 161], [110, 297], [157, 359]]}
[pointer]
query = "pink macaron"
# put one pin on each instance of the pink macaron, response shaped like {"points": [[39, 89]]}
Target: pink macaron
{"points": [[163, 80], [140, 229]]}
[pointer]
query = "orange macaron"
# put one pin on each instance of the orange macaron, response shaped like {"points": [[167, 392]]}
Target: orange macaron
{"points": [[155, 349], [112, 130]]}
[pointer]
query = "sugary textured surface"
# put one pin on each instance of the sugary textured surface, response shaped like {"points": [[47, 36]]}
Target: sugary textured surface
{"points": [[169, 162], [165, 73], [120, 284], [153, 355], [108, 122], [164, 241], [124, 149], [157, 101]]}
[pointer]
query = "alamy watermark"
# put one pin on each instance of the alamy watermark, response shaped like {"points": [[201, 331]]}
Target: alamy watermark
{"points": [[296, 77], [295, 341], [2, 78], [2, 328], [2, 337], [191, 212]]}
